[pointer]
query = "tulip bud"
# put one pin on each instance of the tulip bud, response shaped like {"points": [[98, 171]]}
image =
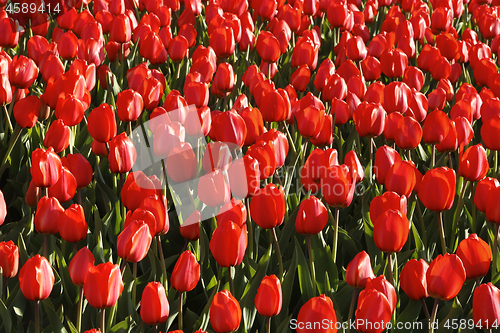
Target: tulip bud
{"points": [[102, 123], [45, 167], [228, 244], [316, 310], [437, 189], [154, 304], [80, 167], [103, 285], [373, 307], [80, 265], [186, 273], [9, 259], [413, 279], [269, 297], [268, 207], [485, 304], [48, 212], [134, 241], [36, 278], [359, 270], [475, 255], [225, 312], [72, 225], [474, 163], [122, 154], [312, 216], [445, 276]]}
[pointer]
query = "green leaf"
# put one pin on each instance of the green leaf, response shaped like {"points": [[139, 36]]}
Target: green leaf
{"points": [[55, 320], [287, 287], [306, 285], [410, 314], [451, 311], [6, 318], [123, 327]]}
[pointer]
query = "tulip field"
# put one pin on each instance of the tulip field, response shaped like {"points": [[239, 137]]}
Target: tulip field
{"points": [[195, 166]]}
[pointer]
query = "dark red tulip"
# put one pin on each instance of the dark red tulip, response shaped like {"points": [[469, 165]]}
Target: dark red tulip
{"points": [[9, 259], [80, 167], [26, 111], [490, 131], [385, 157], [190, 229]]}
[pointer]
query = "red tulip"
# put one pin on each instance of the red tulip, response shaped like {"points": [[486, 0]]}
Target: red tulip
{"points": [[275, 106], [222, 41], [9, 259], [338, 185], [121, 29], [57, 136], [49, 211], [359, 270], [228, 244], [181, 163], [475, 255], [72, 225], [230, 127], [385, 287], [22, 72], [393, 63], [225, 312], [244, 177], [10, 36], [122, 154], [190, 229], [312, 216], [437, 189], [268, 207], [413, 279], [373, 311], [401, 178], [213, 189], [385, 202], [186, 273], [26, 111], [46, 167], [103, 285], [445, 276], [369, 119], [390, 231], [80, 265], [485, 304], [102, 123], [36, 278], [268, 299], [157, 204], [482, 191], [409, 134], [474, 163], [154, 304], [134, 241], [317, 310], [80, 167]]}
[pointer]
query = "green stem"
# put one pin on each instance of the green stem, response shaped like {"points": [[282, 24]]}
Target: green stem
{"points": [[37, 316], [278, 253], [2, 282], [7, 117], [134, 286], [162, 261], [45, 246], [181, 299], [268, 325], [371, 160], [351, 308], [457, 215], [433, 156], [426, 310], [335, 234], [473, 192], [441, 233], [230, 276], [11, 146], [495, 250], [103, 320], [79, 311], [390, 270], [250, 229], [311, 262], [434, 313]]}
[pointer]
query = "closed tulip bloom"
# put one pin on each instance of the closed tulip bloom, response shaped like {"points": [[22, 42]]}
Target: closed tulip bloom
{"points": [[222, 41], [482, 191], [394, 63], [474, 163], [230, 127], [228, 244], [385, 157], [490, 131], [181, 163], [103, 285], [186, 273], [36, 278], [385, 202], [312, 216], [317, 310], [57, 136], [26, 111], [22, 72], [122, 154], [129, 105], [369, 119], [269, 297], [102, 123], [359, 270], [390, 231], [409, 134], [213, 188], [141, 215], [381, 284], [475, 255], [190, 229], [9, 259], [450, 142], [154, 304], [121, 29], [267, 207], [65, 188], [268, 47], [80, 265], [72, 225], [401, 178], [338, 185], [244, 177], [310, 122], [10, 36], [436, 127], [225, 312], [356, 49], [46, 167], [68, 46], [413, 279], [70, 110], [254, 123], [134, 241], [492, 206], [275, 106], [485, 304], [224, 78], [48, 212], [445, 276], [157, 204], [325, 137], [80, 167], [5, 89], [437, 189], [373, 307]]}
